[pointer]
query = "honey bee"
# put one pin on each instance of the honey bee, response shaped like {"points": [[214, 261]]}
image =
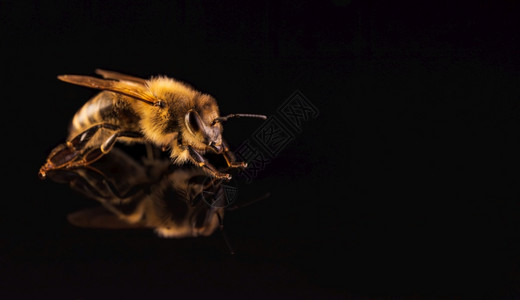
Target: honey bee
{"points": [[176, 201], [161, 111]]}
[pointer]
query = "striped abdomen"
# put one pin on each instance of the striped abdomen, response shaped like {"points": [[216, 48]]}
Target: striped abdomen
{"points": [[105, 107]]}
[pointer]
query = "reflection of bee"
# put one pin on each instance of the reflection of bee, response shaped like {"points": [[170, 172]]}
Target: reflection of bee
{"points": [[154, 194], [160, 111]]}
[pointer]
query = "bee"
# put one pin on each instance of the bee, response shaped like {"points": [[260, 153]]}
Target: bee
{"points": [[176, 201], [161, 111]]}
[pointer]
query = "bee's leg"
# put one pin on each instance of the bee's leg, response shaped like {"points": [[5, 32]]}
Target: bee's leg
{"points": [[64, 154], [203, 162], [78, 143], [57, 159], [230, 157], [74, 154], [111, 140], [96, 153]]}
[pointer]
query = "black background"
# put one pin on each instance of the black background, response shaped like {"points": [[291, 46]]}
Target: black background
{"points": [[405, 185]]}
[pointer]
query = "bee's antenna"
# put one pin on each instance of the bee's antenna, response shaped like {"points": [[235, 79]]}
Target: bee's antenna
{"points": [[235, 207], [224, 235], [225, 118]]}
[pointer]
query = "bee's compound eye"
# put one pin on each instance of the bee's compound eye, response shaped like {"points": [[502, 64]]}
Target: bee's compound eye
{"points": [[192, 122]]}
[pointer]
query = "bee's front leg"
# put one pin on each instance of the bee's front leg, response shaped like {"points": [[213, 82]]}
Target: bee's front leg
{"points": [[203, 162], [230, 157]]}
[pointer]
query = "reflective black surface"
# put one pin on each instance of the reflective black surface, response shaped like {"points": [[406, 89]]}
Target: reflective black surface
{"points": [[404, 183]]}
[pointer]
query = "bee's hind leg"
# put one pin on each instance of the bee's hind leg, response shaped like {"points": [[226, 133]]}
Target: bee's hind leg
{"points": [[96, 153], [65, 154], [74, 154]]}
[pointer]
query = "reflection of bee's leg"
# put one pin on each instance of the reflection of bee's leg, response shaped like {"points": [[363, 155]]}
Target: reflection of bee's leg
{"points": [[230, 157], [98, 187], [91, 183], [203, 162], [95, 184], [73, 153]]}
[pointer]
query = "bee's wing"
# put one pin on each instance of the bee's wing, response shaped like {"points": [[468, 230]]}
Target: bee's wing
{"points": [[129, 88], [119, 76], [99, 217]]}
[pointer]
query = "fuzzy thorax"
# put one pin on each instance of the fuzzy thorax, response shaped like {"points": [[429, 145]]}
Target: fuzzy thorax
{"points": [[162, 124]]}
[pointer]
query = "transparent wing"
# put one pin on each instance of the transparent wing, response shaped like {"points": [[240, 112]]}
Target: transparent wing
{"points": [[119, 76], [133, 89]]}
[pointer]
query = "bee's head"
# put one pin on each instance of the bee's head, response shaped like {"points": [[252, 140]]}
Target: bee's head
{"points": [[204, 124], [203, 132]]}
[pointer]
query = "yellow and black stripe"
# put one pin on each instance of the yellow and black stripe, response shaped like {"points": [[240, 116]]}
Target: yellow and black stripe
{"points": [[105, 107]]}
